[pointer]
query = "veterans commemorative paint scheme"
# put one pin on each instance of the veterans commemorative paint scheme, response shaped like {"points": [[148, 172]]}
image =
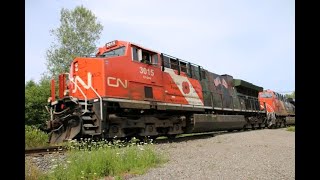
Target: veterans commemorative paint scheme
{"points": [[127, 90]]}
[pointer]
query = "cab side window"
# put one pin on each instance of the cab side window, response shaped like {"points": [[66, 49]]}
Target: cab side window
{"points": [[155, 59], [166, 62], [135, 54], [146, 58]]}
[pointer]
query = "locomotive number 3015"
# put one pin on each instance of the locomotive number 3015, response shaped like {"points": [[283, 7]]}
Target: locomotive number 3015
{"points": [[146, 71]]}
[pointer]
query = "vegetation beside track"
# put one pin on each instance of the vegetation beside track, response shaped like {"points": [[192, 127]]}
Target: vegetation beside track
{"points": [[34, 137], [291, 128], [88, 159]]}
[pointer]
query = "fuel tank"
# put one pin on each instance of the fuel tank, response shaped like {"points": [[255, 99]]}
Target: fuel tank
{"points": [[211, 122]]}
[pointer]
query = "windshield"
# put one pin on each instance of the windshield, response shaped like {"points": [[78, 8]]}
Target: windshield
{"points": [[116, 52], [265, 95]]}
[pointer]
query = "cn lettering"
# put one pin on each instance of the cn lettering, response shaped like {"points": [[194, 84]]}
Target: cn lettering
{"points": [[78, 79], [116, 82]]}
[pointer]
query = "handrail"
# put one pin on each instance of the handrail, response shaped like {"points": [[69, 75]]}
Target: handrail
{"points": [[85, 97], [101, 114]]}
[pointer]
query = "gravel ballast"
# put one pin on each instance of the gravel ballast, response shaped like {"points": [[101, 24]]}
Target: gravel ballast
{"points": [[259, 154]]}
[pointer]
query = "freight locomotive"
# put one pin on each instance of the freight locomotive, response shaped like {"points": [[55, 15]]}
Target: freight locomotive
{"points": [[280, 110], [127, 90]]}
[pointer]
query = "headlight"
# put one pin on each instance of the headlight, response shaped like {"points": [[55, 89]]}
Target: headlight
{"points": [[76, 67]]}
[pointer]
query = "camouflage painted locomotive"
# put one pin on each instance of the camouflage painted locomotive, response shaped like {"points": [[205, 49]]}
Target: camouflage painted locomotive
{"points": [[115, 94]]}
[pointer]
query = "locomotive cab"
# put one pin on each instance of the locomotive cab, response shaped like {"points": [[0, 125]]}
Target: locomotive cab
{"points": [[132, 52], [96, 82]]}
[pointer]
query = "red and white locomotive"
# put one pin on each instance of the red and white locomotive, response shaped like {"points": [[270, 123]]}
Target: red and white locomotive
{"points": [[127, 90]]}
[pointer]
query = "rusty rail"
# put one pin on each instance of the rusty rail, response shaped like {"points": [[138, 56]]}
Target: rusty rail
{"points": [[44, 150]]}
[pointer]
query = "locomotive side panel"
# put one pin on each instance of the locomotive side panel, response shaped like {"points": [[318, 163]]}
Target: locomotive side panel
{"points": [[267, 98], [247, 94], [227, 85], [146, 81], [172, 91], [87, 74], [290, 106], [117, 82], [206, 90], [220, 88], [131, 79], [182, 90]]}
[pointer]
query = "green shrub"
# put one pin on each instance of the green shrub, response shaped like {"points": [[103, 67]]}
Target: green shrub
{"points": [[291, 128], [36, 96], [34, 137], [93, 160]]}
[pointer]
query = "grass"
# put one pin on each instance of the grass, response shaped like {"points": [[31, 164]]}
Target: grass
{"points": [[32, 172], [34, 137], [94, 160], [291, 128]]}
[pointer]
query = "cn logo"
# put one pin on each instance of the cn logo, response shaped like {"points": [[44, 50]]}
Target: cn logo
{"points": [[116, 82], [77, 80]]}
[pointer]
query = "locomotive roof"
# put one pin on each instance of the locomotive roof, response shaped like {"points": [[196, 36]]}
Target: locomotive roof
{"points": [[239, 82]]}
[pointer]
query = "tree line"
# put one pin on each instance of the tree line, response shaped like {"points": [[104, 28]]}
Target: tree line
{"points": [[76, 36], [292, 95]]}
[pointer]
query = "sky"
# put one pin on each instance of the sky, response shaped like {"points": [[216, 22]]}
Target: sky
{"points": [[247, 39]]}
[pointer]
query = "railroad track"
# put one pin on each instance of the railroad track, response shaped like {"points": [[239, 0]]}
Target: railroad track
{"points": [[196, 136], [44, 150], [186, 137]]}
